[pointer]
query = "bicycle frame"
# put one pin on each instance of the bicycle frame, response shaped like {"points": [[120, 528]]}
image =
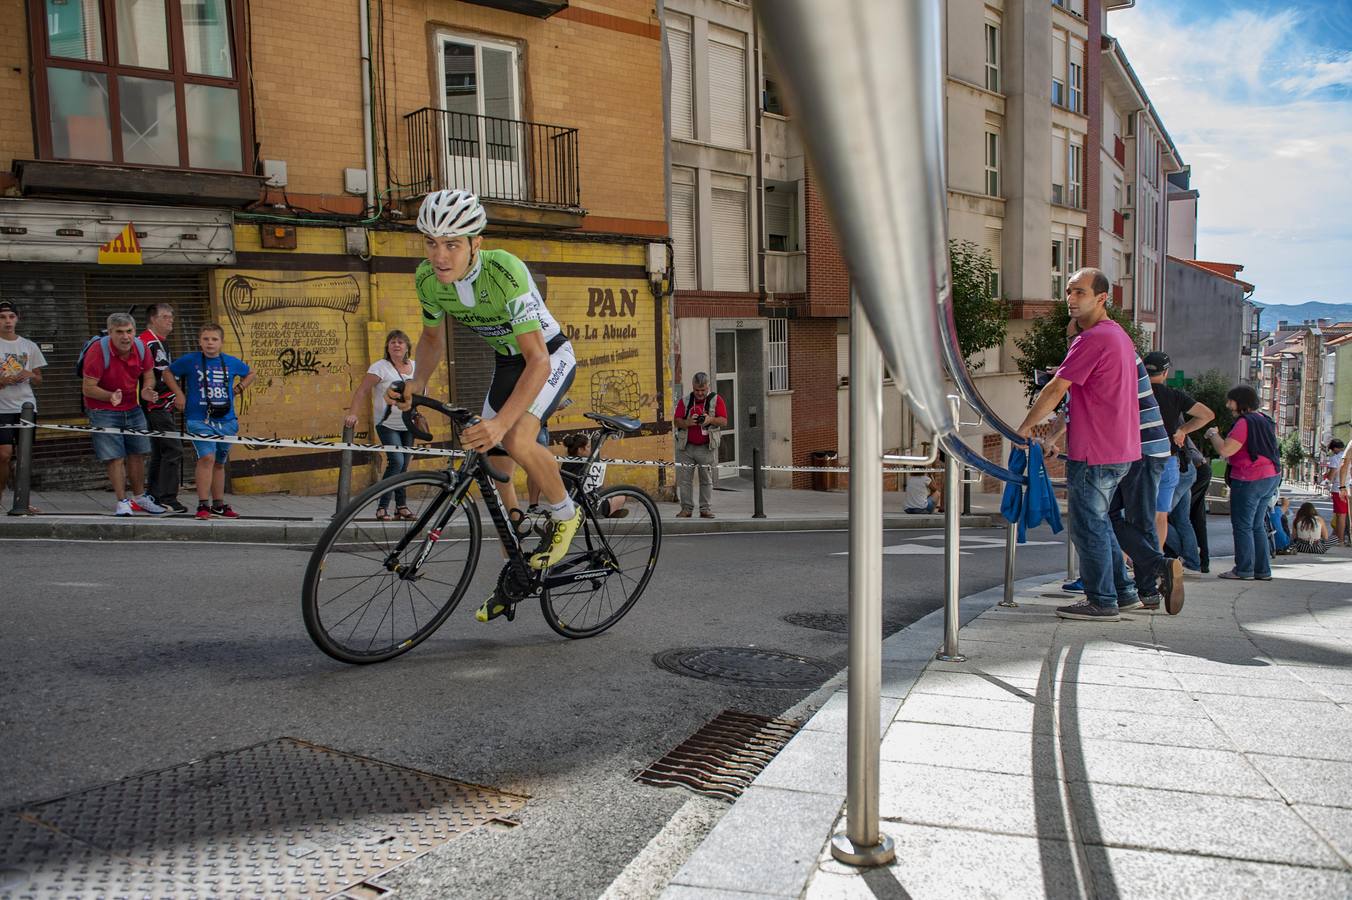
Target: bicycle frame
{"points": [[475, 469]]}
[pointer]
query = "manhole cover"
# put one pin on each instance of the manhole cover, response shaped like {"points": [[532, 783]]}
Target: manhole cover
{"points": [[746, 665], [837, 623], [279, 819], [723, 757]]}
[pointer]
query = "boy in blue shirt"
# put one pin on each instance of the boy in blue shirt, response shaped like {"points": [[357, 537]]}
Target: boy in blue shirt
{"points": [[204, 386]]}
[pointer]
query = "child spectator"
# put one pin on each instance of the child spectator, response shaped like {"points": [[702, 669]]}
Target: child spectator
{"points": [[210, 380]]}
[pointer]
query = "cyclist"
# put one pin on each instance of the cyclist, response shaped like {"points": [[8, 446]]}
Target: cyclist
{"points": [[492, 293]]}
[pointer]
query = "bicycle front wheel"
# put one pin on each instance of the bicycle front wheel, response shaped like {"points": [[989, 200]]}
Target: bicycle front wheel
{"points": [[374, 589], [621, 545]]}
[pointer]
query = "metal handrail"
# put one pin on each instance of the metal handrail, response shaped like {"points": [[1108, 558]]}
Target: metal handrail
{"points": [[499, 159]]}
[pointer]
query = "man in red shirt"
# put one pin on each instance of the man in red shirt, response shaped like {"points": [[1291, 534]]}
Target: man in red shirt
{"points": [[698, 420], [110, 387]]}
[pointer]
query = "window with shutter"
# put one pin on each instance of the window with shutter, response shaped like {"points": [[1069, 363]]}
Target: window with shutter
{"points": [[731, 247], [684, 228], [727, 88], [682, 84]]}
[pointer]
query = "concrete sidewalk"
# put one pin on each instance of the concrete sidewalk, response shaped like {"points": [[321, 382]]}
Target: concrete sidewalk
{"points": [[1208, 754], [283, 518]]}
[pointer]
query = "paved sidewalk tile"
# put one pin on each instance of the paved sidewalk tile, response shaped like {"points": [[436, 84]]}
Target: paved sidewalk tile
{"points": [[1147, 875], [1333, 823], [1311, 781], [989, 751], [1202, 770], [1289, 687], [955, 863], [1237, 827], [963, 798], [742, 854]]}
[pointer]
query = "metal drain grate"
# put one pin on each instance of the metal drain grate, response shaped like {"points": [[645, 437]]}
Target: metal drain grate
{"points": [[279, 819], [724, 757], [746, 666]]}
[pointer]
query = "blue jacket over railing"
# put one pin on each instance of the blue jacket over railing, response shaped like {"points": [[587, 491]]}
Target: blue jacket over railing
{"points": [[1029, 506]]}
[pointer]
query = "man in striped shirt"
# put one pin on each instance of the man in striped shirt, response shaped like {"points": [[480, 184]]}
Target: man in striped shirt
{"points": [[1159, 579]]}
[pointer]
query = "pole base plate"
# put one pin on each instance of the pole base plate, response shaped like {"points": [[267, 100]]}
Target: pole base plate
{"points": [[949, 657], [1008, 604], [850, 853]]}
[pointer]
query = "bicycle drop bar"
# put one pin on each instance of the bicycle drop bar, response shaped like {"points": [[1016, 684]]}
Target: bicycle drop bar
{"points": [[460, 418]]}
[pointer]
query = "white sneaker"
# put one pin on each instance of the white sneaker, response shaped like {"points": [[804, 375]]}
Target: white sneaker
{"points": [[146, 503], [123, 508]]}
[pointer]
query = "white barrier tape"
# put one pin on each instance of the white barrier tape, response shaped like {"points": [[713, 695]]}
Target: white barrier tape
{"points": [[297, 443]]}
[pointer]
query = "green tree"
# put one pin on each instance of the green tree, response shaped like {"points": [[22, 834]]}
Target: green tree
{"points": [[1292, 453], [982, 320], [1045, 345], [1210, 389]]}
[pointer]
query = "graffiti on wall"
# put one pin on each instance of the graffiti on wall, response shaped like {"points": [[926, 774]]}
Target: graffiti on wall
{"points": [[295, 334]]}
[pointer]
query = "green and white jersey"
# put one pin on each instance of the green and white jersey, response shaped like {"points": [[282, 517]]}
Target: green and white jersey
{"points": [[498, 300]]}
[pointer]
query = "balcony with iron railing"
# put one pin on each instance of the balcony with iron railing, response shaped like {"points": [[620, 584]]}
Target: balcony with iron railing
{"points": [[503, 160]]}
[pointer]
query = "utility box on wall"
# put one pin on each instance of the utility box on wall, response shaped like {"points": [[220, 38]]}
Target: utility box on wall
{"points": [[275, 236]]}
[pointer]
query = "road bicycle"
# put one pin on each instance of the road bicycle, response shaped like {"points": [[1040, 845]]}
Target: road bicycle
{"points": [[376, 589]]}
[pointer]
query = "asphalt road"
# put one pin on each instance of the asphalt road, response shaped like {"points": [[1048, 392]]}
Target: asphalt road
{"points": [[125, 658]]}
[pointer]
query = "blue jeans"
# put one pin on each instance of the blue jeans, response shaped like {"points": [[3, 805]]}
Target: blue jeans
{"points": [[1089, 492], [1182, 538], [394, 463], [108, 447], [1249, 502], [1133, 516]]}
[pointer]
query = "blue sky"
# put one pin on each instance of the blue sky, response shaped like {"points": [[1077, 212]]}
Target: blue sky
{"points": [[1258, 98]]}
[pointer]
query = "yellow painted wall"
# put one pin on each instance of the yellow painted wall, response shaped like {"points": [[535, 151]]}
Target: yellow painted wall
{"points": [[311, 334]]}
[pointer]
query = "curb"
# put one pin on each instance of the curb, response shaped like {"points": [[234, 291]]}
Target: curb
{"points": [[308, 531]]}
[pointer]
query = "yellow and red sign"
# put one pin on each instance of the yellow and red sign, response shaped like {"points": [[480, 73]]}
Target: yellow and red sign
{"points": [[123, 250]]}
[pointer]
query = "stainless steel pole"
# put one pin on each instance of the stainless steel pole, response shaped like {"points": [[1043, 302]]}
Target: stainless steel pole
{"points": [[952, 479], [862, 844], [1011, 533]]}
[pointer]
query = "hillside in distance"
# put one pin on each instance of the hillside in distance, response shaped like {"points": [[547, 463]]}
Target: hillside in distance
{"points": [[1299, 312]]}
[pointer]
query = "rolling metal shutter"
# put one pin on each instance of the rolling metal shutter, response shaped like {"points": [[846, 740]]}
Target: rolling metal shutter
{"points": [[731, 247], [682, 84], [684, 228], [727, 88], [61, 307]]}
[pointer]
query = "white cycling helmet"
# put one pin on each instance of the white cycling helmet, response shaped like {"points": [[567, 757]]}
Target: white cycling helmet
{"points": [[453, 213]]}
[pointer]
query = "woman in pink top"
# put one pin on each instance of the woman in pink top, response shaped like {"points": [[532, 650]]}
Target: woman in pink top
{"points": [[1251, 450]]}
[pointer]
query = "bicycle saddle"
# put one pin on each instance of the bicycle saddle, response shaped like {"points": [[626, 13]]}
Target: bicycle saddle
{"points": [[619, 423]]}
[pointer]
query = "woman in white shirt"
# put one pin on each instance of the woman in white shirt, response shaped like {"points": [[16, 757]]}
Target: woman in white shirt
{"points": [[389, 422]]}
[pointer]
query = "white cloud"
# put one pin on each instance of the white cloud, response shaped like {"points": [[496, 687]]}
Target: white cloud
{"points": [[1263, 120]]}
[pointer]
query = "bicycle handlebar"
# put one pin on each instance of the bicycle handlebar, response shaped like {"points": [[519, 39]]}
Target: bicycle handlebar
{"points": [[460, 418]]}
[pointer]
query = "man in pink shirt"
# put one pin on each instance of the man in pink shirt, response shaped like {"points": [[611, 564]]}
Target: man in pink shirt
{"points": [[1103, 440], [117, 373]]}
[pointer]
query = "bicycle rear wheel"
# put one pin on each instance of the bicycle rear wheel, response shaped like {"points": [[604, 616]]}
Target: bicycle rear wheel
{"points": [[624, 545], [374, 590]]}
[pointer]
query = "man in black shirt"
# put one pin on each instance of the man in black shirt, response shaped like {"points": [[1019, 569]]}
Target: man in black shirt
{"points": [[1182, 415]]}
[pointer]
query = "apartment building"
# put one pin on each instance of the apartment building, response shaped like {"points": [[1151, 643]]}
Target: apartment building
{"points": [[270, 186]]}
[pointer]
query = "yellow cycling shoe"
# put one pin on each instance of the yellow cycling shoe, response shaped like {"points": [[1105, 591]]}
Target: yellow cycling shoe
{"points": [[560, 538], [492, 608]]}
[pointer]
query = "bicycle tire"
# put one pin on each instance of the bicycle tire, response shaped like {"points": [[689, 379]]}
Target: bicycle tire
{"points": [[338, 558], [581, 611]]}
